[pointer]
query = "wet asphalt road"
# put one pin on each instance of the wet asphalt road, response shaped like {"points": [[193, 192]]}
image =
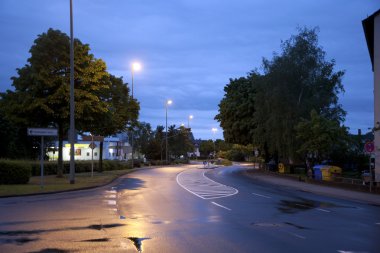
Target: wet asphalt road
{"points": [[188, 209]]}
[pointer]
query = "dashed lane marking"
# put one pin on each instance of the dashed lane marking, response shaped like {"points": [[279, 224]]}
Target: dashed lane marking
{"points": [[221, 206], [260, 195], [195, 182], [298, 236]]}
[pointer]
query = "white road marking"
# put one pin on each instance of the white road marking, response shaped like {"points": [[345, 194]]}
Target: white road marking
{"points": [[349, 251], [110, 196], [319, 209], [298, 236], [195, 182], [221, 206], [260, 195], [111, 202]]}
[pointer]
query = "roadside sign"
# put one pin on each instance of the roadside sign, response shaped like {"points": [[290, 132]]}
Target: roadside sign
{"points": [[92, 145], [42, 132], [369, 146]]}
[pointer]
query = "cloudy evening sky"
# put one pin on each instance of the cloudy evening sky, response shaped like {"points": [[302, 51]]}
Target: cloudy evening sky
{"points": [[190, 48]]}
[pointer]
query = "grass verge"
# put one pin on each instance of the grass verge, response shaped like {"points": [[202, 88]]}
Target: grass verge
{"points": [[52, 183]]}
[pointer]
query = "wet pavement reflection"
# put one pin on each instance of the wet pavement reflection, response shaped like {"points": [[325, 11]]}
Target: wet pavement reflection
{"points": [[301, 204]]}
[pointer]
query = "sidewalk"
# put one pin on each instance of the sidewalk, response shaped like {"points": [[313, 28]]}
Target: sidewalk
{"points": [[363, 197]]}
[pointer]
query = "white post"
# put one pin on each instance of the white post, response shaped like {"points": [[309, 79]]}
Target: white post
{"points": [[42, 162], [376, 71], [92, 155]]}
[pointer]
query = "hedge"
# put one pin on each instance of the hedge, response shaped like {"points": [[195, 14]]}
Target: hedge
{"points": [[50, 167], [14, 172]]}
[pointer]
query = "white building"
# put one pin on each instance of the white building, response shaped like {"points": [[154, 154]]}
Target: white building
{"points": [[113, 149]]}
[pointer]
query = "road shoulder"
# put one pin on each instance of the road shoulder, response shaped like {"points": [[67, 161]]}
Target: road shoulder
{"points": [[362, 197]]}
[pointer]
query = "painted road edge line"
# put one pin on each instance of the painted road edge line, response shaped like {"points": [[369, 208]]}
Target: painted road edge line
{"points": [[221, 206], [260, 195]]}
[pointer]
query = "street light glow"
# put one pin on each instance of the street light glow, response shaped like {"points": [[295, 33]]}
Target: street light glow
{"points": [[169, 102], [214, 130], [191, 117], [136, 66]]}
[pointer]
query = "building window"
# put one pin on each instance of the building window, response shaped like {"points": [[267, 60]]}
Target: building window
{"points": [[88, 153], [96, 154]]}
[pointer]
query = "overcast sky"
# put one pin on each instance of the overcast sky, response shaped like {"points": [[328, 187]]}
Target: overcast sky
{"points": [[190, 48]]}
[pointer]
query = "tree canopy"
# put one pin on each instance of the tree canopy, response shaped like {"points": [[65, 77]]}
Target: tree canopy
{"points": [[264, 108], [41, 90]]}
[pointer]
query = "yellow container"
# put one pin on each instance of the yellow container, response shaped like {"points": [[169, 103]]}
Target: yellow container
{"points": [[281, 168], [329, 172], [326, 175]]}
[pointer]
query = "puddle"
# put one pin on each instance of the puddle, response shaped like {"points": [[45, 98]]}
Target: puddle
{"points": [[18, 241], [130, 184], [293, 206], [138, 242], [103, 226], [97, 240], [40, 231], [263, 224], [294, 225], [158, 222], [276, 225], [51, 250]]}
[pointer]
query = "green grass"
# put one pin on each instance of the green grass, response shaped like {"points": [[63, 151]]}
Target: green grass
{"points": [[52, 183]]}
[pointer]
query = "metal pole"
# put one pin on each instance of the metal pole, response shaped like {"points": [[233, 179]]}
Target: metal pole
{"points": [[131, 124], [370, 174], [72, 106], [92, 155], [166, 132], [42, 162]]}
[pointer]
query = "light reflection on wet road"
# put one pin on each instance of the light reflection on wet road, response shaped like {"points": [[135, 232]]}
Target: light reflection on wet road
{"points": [[149, 211]]}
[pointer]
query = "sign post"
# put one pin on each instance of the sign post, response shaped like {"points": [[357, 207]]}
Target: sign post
{"points": [[369, 147], [42, 132]]}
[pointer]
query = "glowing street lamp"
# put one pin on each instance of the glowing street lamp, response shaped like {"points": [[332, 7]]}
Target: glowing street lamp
{"points": [[135, 67], [188, 120], [168, 102]]}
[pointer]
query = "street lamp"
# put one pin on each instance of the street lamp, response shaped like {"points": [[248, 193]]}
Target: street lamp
{"points": [[135, 67], [214, 130], [168, 102], [188, 120], [72, 105]]}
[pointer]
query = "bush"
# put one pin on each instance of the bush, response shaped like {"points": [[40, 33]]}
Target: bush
{"points": [[181, 161], [224, 162], [157, 162], [14, 172]]}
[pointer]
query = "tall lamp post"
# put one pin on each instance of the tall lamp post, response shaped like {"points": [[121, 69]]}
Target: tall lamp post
{"points": [[188, 120], [168, 102], [135, 67], [72, 105], [214, 130]]}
